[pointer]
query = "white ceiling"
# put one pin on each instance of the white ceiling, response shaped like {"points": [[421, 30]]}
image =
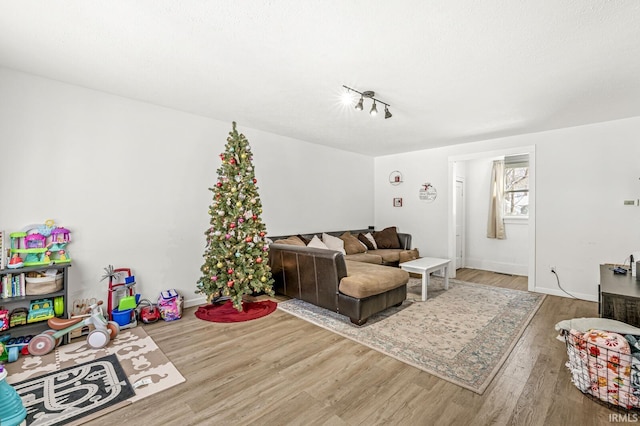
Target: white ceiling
{"points": [[453, 71]]}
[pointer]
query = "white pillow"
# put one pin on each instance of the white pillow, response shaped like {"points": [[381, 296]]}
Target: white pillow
{"points": [[317, 243], [369, 237], [334, 243]]}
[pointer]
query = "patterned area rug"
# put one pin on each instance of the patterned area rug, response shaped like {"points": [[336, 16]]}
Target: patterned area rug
{"points": [[75, 392], [147, 368], [462, 335]]}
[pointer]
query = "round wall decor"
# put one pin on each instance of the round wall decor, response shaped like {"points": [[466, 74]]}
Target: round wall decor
{"points": [[395, 177], [428, 192]]}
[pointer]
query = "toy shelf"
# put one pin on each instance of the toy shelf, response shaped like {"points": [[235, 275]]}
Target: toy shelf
{"points": [[11, 303]]}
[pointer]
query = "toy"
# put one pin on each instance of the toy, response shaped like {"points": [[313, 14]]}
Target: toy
{"points": [[4, 319], [12, 410], [121, 286], [38, 245], [170, 305], [15, 262], [10, 348], [40, 310], [99, 337], [18, 317], [147, 312]]}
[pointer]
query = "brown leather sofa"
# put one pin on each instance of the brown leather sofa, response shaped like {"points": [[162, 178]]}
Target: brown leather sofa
{"points": [[327, 278]]}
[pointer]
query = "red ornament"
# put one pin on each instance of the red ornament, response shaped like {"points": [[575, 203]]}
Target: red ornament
{"points": [[248, 239], [222, 157], [232, 225], [232, 161], [255, 180], [258, 260], [219, 184], [254, 217], [230, 283], [262, 234]]}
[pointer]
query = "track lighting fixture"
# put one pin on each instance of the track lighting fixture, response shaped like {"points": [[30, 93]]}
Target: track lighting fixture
{"points": [[369, 94], [374, 110]]}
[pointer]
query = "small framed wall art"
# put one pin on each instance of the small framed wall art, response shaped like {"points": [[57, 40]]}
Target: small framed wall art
{"points": [[397, 202]]}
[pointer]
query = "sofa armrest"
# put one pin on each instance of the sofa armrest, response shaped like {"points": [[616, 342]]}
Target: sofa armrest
{"points": [[307, 273], [405, 241]]}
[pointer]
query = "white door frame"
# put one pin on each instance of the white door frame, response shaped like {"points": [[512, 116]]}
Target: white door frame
{"points": [[460, 210], [531, 150]]}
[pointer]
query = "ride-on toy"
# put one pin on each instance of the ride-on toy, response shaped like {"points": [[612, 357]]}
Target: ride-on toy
{"points": [[103, 331]]}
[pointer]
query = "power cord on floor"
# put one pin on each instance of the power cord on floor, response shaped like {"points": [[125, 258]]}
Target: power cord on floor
{"points": [[559, 286]]}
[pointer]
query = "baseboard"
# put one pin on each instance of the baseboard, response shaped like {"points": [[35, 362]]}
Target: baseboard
{"points": [[558, 292], [195, 302], [502, 267]]}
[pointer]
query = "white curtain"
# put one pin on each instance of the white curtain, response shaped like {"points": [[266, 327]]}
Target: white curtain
{"points": [[495, 224]]}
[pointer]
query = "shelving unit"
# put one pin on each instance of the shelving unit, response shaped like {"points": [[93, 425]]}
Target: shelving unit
{"points": [[12, 303]]}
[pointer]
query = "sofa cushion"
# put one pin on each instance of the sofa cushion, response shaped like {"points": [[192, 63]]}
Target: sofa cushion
{"points": [[333, 243], [387, 255], [317, 243], [304, 239], [351, 244], [364, 279], [291, 241], [387, 238], [367, 240], [408, 255], [365, 257]]}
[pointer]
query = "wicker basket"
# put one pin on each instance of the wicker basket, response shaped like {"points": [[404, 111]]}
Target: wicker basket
{"points": [[43, 285]]}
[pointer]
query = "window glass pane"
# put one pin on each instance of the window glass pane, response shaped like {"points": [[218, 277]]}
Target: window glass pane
{"points": [[516, 178], [516, 203], [516, 191]]}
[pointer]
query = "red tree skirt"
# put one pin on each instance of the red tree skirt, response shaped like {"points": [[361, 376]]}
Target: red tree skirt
{"points": [[227, 313]]}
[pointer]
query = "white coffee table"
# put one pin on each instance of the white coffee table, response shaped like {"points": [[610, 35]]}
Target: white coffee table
{"points": [[425, 266]]}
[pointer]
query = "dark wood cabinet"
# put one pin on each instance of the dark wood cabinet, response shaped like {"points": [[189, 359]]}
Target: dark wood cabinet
{"points": [[619, 296]]}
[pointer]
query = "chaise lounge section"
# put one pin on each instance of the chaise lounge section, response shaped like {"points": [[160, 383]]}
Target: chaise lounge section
{"points": [[354, 286]]}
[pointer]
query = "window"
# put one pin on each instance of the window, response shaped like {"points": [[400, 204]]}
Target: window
{"points": [[516, 186]]}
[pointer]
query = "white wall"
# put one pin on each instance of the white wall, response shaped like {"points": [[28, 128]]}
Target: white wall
{"points": [[583, 174], [130, 180], [509, 256]]}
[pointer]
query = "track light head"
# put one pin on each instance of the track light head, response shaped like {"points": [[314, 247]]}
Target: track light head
{"points": [[387, 113], [374, 109], [359, 104]]}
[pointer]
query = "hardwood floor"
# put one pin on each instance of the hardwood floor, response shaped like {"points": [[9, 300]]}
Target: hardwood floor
{"points": [[283, 370]]}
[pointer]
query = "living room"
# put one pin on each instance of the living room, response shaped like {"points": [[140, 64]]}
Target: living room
{"points": [[130, 178]]}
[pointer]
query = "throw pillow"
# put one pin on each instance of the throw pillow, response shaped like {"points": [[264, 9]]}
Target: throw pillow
{"points": [[387, 238], [291, 241], [368, 241], [351, 244], [334, 243], [317, 243], [304, 240]]}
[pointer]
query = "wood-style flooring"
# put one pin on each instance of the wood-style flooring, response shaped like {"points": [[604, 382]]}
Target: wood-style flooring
{"points": [[281, 370]]}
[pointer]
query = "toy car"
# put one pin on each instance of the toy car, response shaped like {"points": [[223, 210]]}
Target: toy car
{"points": [[18, 317], [40, 310]]}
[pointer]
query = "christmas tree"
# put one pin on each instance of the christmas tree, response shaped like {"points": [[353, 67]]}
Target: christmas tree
{"points": [[236, 255]]}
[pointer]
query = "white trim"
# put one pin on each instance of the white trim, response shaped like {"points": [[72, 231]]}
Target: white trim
{"points": [[516, 220]]}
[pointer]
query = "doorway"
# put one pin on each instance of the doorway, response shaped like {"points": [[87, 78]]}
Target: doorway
{"points": [[461, 239]]}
